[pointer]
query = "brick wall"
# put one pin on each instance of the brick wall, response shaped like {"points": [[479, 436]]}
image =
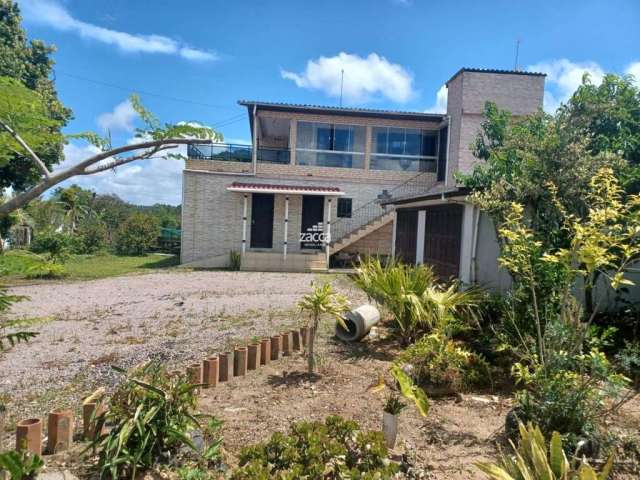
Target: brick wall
{"points": [[212, 216], [376, 243], [467, 94]]}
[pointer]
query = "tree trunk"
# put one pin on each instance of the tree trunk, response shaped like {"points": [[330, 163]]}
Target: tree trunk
{"points": [[311, 361]]}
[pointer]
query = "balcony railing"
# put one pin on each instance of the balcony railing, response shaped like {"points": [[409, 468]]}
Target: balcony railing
{"points": [[227, 152]]}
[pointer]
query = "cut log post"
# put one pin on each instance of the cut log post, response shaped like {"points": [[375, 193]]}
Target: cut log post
{"points": [[59, 431], [225, 365], [29, 436], [240, 362], [253, 356], [89, 420], [194, 372], [286, 344], [304, 336], [210, 372], [265, 351], [295, 339], [276, 347]]}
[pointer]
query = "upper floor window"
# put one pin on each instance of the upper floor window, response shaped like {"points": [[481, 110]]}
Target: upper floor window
{"points": [[405, 149], [330, 145]]}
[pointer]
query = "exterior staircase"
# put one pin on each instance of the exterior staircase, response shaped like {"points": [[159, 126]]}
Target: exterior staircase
{"points": [[362, 232], [372, 215]]}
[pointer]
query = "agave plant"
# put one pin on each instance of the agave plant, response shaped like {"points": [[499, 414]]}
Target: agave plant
{"points": [[532, 460]]}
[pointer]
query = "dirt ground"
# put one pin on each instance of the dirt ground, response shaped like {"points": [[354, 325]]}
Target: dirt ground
{"points": [[184, 316], [176, 317], [456, 433]]}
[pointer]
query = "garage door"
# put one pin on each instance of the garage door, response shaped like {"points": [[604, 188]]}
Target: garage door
{"points": [[443, 232], [406, 227]]}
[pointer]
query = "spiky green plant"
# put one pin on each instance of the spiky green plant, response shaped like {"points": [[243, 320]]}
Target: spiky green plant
{"points": [[153, 414], [322, 301], [532, 460], [415, 300]]}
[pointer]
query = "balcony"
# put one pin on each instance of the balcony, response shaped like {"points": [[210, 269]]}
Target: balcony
{"points": [[226, 152]]}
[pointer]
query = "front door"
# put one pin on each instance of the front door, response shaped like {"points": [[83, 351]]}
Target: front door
{"points": [[261, 220], [442, 239], [312, 222]]}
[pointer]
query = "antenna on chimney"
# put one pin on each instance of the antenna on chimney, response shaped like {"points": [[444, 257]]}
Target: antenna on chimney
{"points": [[341, 84], [515, 67]]}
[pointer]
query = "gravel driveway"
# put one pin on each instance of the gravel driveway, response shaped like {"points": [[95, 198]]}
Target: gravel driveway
{"points": [[174, 316]]}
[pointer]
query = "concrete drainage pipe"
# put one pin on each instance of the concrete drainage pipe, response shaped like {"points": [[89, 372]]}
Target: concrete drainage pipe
{"points": [[359, 322]]}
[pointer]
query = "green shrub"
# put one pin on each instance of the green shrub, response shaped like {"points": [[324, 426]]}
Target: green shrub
{"points": [[137, 235], [46, 269], [56, 245], [20, 464], [335, 449], [570, 394], [235, 259], [441, 362], [92, 236], [532, 460], [153, 415]]}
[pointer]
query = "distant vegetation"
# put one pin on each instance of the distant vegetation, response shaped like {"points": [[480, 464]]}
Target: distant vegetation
{"points": [[79, 233]]}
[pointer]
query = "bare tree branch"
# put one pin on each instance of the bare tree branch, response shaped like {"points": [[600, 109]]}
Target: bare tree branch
{"points": [[83, 167], [43, 168]]}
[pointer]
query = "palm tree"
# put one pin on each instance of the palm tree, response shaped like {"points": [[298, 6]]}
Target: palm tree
{"points": [[323, 301]]}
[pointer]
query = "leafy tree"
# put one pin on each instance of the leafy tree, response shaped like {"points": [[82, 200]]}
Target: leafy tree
{"points": [[76, 202], [153, 140], [113, 211], [30, 65], [92, 235], [606, 115], [137, 235]]}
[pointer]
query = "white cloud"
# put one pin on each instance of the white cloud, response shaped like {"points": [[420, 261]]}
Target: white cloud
{"points": [[51, 13], [365, 79], [563, 78], [441, 101], [634, 69], [121, 118], [145, 182]]}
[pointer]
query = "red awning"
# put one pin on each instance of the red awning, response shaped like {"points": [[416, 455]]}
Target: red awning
{"points": [[286, 189]]}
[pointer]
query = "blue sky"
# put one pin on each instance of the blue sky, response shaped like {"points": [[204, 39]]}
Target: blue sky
{"points": [[396, 54]]}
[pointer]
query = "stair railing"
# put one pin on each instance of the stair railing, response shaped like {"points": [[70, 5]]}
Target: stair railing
{"points": [[373, 209]]}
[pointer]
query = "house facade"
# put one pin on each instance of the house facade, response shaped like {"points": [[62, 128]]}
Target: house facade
{"points": [[320, 185]]}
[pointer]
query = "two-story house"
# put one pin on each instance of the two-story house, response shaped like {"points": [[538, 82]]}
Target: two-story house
{"points": [[323, 183]]}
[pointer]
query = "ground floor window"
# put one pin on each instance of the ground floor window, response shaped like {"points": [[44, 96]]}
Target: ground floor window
{"points": [[344, 207]]}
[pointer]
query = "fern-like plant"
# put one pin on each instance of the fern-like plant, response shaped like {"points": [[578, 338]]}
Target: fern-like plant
{"points": [[532, 460], [9, 339]]}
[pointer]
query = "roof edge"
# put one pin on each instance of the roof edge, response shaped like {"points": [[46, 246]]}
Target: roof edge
{"points": [[350, 111], [495, 70]]}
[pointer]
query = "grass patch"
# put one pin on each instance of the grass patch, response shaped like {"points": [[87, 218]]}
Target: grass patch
{"points": [[14, 265]]}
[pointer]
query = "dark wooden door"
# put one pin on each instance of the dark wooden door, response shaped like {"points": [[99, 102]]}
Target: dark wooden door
{"points": [[261, 220], [312, 222], [442, 239], [406, 235]]}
